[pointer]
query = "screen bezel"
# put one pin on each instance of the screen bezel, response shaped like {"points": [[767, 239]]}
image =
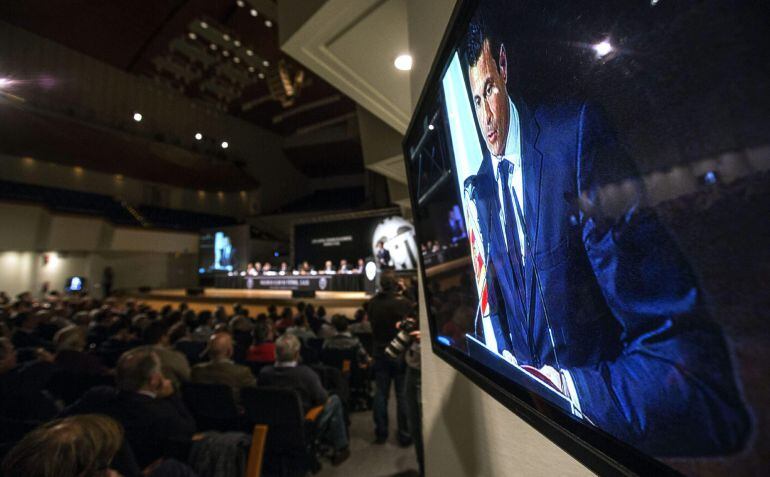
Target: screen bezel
{"points": [[594, 448]]}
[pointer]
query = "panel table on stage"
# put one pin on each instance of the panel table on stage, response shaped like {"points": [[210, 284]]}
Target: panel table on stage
{"points": [[340, 282]]}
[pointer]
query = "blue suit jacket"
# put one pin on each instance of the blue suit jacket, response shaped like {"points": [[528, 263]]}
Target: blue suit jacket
{"points": [[622, 303]]}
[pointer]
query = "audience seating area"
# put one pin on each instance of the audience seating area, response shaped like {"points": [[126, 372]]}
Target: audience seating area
{"points": [[109, 208], [59, 353]]}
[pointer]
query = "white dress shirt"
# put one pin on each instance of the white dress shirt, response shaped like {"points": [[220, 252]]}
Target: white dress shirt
{"points": [[512, 154]]}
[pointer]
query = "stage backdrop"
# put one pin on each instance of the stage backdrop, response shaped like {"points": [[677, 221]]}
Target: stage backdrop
{"points": [[355, 238]]}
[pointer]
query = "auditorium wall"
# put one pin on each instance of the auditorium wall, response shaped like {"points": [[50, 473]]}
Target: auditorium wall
{"points": [[467, 432], [37, 247]]}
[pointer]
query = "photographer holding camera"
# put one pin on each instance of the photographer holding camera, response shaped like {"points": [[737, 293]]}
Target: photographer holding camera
{"points": [[387, 309], [407, 344]]}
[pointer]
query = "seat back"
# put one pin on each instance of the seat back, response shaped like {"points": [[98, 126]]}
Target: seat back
{"points": [[212, 405], [69, 386], [281, 410], [367, 340]]}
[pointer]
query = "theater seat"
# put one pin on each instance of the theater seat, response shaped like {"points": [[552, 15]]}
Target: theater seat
{"points": [[291, 447], [212, 406]]}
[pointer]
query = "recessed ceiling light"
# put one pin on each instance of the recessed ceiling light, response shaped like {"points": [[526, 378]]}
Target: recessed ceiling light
{"points": [[251, 69], [603, 48], [240, 3], [226, 37], [249, 52], [225, 145], [268, 23], [226, 53], [204, 25], [236, 59], [431, 127], [261, 76], [265, 63], [192, 35], [198, 136], [138, 117], [253, 13], [403, 62], [213, 47], [237, 43]]}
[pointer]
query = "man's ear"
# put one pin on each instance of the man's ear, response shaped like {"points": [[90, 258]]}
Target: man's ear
{"points": [[503, 64]]}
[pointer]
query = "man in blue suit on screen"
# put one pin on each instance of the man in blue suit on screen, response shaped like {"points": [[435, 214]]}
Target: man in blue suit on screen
{"points": [[586, 289]]}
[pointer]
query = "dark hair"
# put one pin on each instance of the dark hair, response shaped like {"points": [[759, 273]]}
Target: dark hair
{"points": [[261, 332], [388, 281], [340, 323], [204, 317], [154, 332], [480, 29]]}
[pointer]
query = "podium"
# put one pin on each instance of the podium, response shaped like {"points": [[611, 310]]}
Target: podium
{"points": [[480, 353]]}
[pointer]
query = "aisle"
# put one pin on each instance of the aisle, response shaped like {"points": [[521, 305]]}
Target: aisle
{"points": [[370, 460]]}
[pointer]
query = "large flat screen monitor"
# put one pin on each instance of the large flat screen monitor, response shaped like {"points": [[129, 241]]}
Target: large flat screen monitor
{"points": [[597, 178]]}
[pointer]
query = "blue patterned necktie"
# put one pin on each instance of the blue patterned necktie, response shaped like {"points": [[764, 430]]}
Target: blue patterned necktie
{"points": [[511, 224]]}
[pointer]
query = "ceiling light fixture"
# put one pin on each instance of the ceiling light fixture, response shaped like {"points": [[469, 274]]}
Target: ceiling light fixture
{"points": [[226, 37], [265, 63], [198, 136], [251, 69], [268, 23], [204, 25], [603, 48], [5, 82], [261, 76], [253, 12], [213, 47], [236, 59], [431, 127], [249, 52], [403, 62], [240, 3], [225, 145], [138, 117], [226, 53], [192, 36], [237, 43]]}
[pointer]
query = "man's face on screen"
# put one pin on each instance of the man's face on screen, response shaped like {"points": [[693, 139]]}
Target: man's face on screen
{"points": [[490, 98]]}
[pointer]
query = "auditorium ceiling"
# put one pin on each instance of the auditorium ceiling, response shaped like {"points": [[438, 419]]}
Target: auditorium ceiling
{"points": [[223, 52]]}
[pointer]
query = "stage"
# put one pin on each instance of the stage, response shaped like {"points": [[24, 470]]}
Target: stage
{"points": [[256, 301]]}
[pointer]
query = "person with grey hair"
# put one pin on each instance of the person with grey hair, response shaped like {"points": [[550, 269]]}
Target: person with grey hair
{"points": [[290, 374], [145, 404], [70, 342]]}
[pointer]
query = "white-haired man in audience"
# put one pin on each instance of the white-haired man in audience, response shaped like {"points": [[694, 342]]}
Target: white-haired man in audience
{"points": [[288, 373]]}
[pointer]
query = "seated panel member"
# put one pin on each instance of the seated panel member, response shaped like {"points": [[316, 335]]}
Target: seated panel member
{"points": [[595, 296]]}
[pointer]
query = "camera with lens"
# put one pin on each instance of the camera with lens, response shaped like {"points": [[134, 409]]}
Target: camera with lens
{"points": [[403, 339]]}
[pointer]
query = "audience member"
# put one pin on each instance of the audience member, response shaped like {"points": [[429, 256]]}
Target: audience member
{"points": [[79, 446], [220, 369], [288, 373], [70, 343], [301, 329], [263, 348], [344, 339], [155, 420], [174, 364], [361, 322]]}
